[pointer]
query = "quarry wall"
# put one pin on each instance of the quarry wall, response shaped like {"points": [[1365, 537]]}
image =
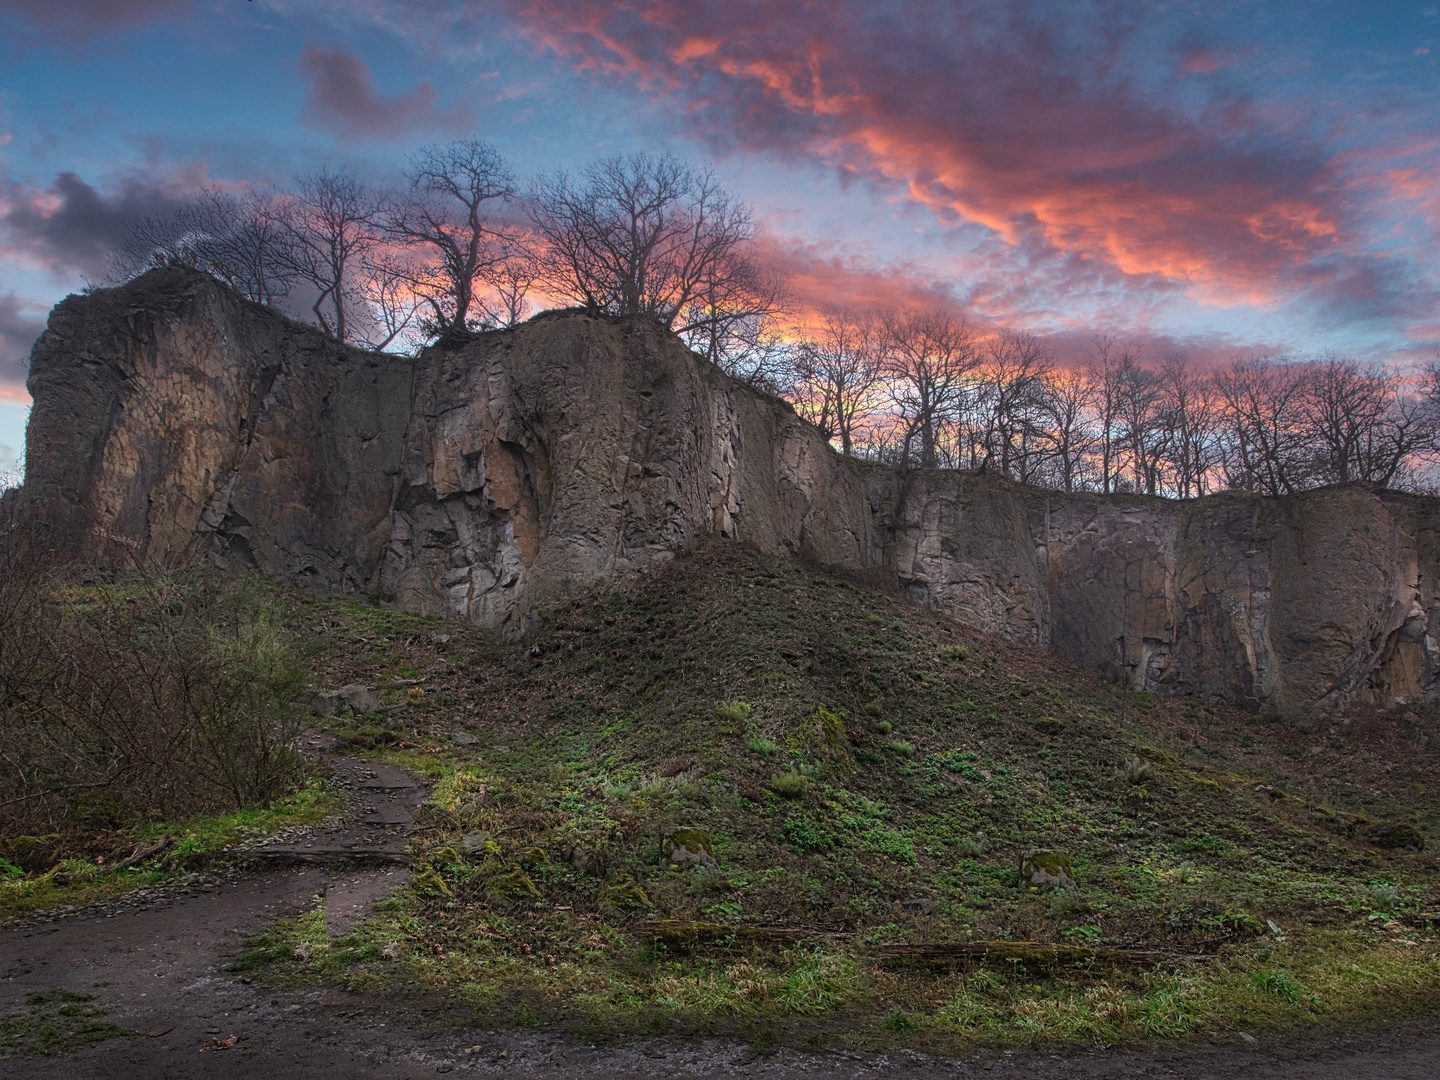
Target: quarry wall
{"points": [[175, 421]]}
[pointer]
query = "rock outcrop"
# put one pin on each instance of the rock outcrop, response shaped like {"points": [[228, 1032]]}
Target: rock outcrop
{"points": [[175, 421]]}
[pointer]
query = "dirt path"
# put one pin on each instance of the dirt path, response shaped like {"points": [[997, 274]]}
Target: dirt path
{"points": [[158, 962]]}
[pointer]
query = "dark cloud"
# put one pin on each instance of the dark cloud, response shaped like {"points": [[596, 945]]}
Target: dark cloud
{"points": [[343, 100], [70, 226], [21, 322]]}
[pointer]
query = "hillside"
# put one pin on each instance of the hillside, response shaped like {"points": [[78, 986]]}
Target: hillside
{"points": [[869, 775]]}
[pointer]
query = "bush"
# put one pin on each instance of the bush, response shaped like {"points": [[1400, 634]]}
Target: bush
{"points": [[760, 745], [789, 785], [176, 694], [806, 835], [1279, 983]]}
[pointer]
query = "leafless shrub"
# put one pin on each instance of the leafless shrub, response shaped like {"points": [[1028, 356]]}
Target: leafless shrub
{"points": [[162, 694]]}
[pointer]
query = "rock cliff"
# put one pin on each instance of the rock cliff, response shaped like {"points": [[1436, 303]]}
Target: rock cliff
{"points": [[175, 421]]}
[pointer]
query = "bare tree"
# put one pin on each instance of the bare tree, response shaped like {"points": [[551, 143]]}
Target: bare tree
{"points": [[1364, 423], [837, 368], [1067, 401], [1187, 417], [928, 357], [1104, 376], [642, 234], [734, 320], [1262, 431], [1013, 368], [445, 212], [235, 239], [385, 282], [510, 280], [1142, 434], [332, 224]]}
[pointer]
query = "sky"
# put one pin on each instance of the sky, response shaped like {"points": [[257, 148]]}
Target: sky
{"points": [[1217, 179]]}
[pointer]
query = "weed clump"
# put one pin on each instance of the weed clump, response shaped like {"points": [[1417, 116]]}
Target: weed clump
{"points": [[1136, 771], [789, 785], [733, 712]]}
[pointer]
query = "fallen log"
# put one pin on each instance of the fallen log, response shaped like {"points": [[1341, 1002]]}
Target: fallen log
{"points": [[682, 933], [139, 856]]}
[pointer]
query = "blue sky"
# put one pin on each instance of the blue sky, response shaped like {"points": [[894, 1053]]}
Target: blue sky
{"points": [[1216, 178]]}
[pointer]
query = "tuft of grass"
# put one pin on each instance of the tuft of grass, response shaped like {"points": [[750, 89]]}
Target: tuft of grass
{"points": [[789, 785], [1136, 771], [899, 1022], [734, 712], [760, 746], [1279, 983]]}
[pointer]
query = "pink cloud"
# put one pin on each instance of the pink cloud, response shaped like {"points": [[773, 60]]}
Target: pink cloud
{"points": [[989, 118]]}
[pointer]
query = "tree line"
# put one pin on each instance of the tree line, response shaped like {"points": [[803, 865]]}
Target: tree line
{"points": [[462, 245], [921, 388]]}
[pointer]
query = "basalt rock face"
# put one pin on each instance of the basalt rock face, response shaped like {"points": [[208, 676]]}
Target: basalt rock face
{"points": [[173, 420]]}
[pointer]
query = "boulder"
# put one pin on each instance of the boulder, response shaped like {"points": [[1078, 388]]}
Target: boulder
{"points": [[687, 847], [1047, 870], [1395, 835], [585, 861], [477, 842], [354, 698]]}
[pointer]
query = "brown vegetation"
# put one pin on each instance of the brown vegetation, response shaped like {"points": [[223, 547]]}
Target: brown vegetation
{"points": [[154, 694]]}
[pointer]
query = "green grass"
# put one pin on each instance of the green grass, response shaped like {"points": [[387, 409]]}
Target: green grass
{"points": [[601, 730], [200, 841], [55, 1022]]}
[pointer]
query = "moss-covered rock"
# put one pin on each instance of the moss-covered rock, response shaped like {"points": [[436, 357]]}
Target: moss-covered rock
{"points": [[1048, 725], [688, 847], [1395, 835], [514, 885], [428, 882], [532, 857], [1047, 870], [625, 893]]}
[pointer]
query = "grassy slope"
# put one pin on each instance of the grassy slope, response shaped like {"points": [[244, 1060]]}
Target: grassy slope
{"points": [[680, 701]]}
